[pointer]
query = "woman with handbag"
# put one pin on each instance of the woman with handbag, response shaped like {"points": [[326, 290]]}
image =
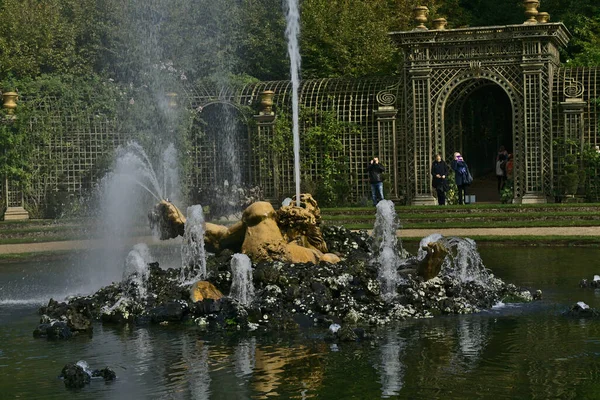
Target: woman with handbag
{"points": [[462, 176], [439, 172]]}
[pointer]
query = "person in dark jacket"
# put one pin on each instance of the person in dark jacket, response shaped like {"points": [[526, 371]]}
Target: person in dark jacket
{"points": [[461, 176], [439, 172], [376, 170]]}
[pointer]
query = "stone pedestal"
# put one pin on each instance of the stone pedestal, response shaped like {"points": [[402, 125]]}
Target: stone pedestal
{"points": [[424, 201], [531, 198], [15, 214]]}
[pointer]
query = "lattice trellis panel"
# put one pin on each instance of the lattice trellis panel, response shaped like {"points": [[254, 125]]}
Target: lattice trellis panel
{"points": [[67, 157], [589, 78], [353, 101]]}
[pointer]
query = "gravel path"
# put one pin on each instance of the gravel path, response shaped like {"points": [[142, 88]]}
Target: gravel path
{"points": [[468, 232]]}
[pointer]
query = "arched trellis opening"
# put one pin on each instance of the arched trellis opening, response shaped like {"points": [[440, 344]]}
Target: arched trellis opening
{"points": [[220, 146], [449, 106]]}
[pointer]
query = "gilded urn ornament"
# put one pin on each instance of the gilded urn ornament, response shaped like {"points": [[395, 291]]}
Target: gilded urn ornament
{"points": [[266, 102], [10, 102], [420, 16], [439, 23], [542, 18], [531, 10]]}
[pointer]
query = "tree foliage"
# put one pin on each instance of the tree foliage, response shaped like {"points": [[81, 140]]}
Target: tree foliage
{"points": [[50, 36], [206, 39]]}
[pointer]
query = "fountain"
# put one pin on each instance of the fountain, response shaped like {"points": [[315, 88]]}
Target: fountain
{"points": [[242, 288], [387, 247], [298, 281]]}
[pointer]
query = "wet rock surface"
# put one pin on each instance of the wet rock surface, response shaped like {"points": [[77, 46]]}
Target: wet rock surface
{"points": [[293, 295], [74, 376], [582, 310], [77, 375]]}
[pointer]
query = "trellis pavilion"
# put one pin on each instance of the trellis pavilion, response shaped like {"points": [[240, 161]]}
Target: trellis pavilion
{"points": [[467, 89]]}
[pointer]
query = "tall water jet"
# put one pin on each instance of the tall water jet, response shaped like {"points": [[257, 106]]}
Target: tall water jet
{"points": [[387, 247], [292, 31], [242, 288], [193, 256]]}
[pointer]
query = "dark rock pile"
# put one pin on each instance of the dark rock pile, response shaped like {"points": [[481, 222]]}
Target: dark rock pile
{"points": [[77, 375], [582, 310], [592, 283], [287, 296]]}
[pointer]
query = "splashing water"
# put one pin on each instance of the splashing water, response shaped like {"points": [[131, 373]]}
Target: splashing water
{"points": [[136, 268], [86, 368], [464, 262], [242, 288], [292, 32], [133, 165], [387, 247], [124, 195], [193, 255], [434, 237]]}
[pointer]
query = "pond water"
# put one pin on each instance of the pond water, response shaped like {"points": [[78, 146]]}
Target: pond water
{"points": [[526, 351]]}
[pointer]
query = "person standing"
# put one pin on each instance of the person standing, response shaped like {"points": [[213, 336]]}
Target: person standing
{"points": [[501, 170], [439, 172], [376, 170], [509, 167], [462, 176]]}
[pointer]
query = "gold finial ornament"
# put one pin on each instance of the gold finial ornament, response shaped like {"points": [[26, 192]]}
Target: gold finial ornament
{"points": [[266, 102], [439, 23], [531, 11], [420, 16], [10, 102], [542, 18]]}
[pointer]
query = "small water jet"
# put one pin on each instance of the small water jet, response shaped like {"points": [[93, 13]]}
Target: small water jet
{"points": [[193, 256], [136, 268], [465, 262], [387, 247], [242, 288]]}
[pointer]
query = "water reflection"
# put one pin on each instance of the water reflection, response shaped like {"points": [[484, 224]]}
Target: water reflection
{"points": [[244, 355], [391, 368], [198, 374], [472, 339], [519, 352]]}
